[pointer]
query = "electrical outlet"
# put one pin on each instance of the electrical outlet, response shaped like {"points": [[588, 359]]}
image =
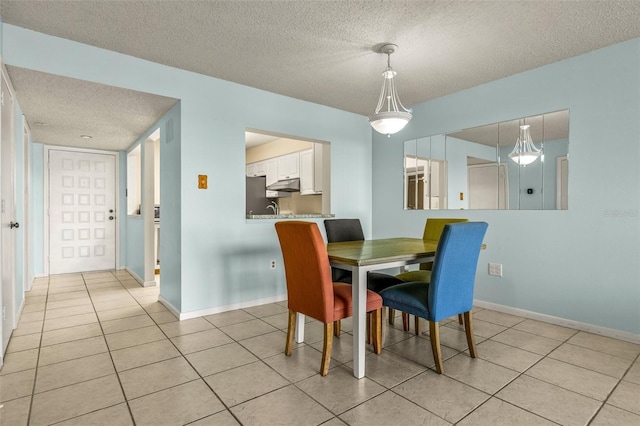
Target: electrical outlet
{"points": [[273, 264], [495, 269]]}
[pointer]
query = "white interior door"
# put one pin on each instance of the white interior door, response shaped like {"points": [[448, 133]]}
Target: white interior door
{"points": [[7, 192], [488, 186], [82, 211]]}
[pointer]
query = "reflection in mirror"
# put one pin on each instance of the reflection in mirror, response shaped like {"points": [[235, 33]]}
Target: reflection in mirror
{"points": [[426, 174], [520, 164]]}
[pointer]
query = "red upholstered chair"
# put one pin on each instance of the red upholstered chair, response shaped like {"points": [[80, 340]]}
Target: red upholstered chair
{"points": [[310, 290]]}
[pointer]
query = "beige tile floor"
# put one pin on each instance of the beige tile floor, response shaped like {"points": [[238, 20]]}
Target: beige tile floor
{"points": [[96, 348]]}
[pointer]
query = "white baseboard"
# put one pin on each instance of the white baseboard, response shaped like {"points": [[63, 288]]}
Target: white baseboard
{"points": [[19, 313], [576, 325], [135, 276], [170, 307], [142, 282], [240, 305]]}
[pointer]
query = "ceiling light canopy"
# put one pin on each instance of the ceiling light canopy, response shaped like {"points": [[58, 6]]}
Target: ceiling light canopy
{"points": [[525, 152], [390, 115]]}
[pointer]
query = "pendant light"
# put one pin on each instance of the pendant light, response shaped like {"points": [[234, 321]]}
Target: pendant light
{"points": [[388, 117], [525, 152]]}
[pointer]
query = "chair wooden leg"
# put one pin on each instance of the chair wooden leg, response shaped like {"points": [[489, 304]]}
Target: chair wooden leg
{"points": [[392, 314], [405, 321], [417, 324], [291, 328], [336, 328], [326, 350], [460, 319], [468, 328], [434, 331], [368, 328], [376, 325]]}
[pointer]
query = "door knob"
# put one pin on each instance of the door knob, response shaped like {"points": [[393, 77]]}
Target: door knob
{"points": [[110, 217], [110, 210], [14, 225]]}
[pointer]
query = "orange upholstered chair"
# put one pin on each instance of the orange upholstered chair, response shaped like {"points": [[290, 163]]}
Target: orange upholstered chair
{"points": [[310, 290]]}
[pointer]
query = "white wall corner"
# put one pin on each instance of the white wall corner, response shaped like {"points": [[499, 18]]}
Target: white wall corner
{"points": [[134, 275]]}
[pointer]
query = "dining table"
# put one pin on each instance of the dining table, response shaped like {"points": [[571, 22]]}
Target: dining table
{"points": [[360, 257]]}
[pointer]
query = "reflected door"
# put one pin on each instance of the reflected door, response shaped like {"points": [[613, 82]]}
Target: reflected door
{"points": [[483, 181], [82, 219], [415, 192]]}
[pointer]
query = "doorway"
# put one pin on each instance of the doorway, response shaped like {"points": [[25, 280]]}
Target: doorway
{"points": [[8, 214], [82, 208], [488, 186]]}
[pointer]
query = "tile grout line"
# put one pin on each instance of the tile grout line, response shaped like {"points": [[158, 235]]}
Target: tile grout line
{"points": [[519, 375], [186, 360], [613, 390], [124, 395], [35, 378], [338, 364]]}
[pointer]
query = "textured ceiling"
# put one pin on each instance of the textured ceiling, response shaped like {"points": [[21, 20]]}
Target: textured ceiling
{"points": [[61, 109], [323, 51]]}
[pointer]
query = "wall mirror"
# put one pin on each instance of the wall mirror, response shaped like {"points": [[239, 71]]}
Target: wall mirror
{"points": [[520, 164]]}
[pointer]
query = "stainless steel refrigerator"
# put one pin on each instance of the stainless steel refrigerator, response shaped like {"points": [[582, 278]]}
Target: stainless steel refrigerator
{"points": [[257, 200]]}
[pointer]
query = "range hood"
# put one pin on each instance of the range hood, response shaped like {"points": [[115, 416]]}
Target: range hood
{"points": [[285, 185]]}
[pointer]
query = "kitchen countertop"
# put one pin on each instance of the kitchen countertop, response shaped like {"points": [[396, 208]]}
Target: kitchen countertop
{"points": [[289, 216]]}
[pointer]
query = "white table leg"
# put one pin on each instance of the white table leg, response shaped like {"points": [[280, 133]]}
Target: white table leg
{"points": [[299, 327], [359, 294]]}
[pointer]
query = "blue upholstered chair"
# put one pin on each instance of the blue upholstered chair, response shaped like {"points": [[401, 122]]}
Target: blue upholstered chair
{"points": [[432, 231], [450, 291]]}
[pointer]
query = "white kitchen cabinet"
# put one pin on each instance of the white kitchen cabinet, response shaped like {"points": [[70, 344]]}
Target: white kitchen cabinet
{"points": [[289, 166], [272, 176], [257, 169], [311, 170], [271, 168]]}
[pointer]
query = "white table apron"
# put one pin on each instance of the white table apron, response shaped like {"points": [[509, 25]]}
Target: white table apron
{"points": [[359, 294]]}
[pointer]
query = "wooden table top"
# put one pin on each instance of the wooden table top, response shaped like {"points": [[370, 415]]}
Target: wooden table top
{"points": [[371, 252]]}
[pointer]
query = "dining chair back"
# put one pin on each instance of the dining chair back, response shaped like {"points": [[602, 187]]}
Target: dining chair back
{"points": [[340, 230], [432, 231], [310, 290], [450, 291], [454, 270]]}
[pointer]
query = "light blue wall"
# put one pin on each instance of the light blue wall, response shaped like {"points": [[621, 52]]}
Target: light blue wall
{"points": [[581, 264], [458, 182], [37, 208], [133, 253], [224, 258]]}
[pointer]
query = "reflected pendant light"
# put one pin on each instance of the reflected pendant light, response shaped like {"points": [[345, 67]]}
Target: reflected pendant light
{"points": [[390, 115], [525, 152]]}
